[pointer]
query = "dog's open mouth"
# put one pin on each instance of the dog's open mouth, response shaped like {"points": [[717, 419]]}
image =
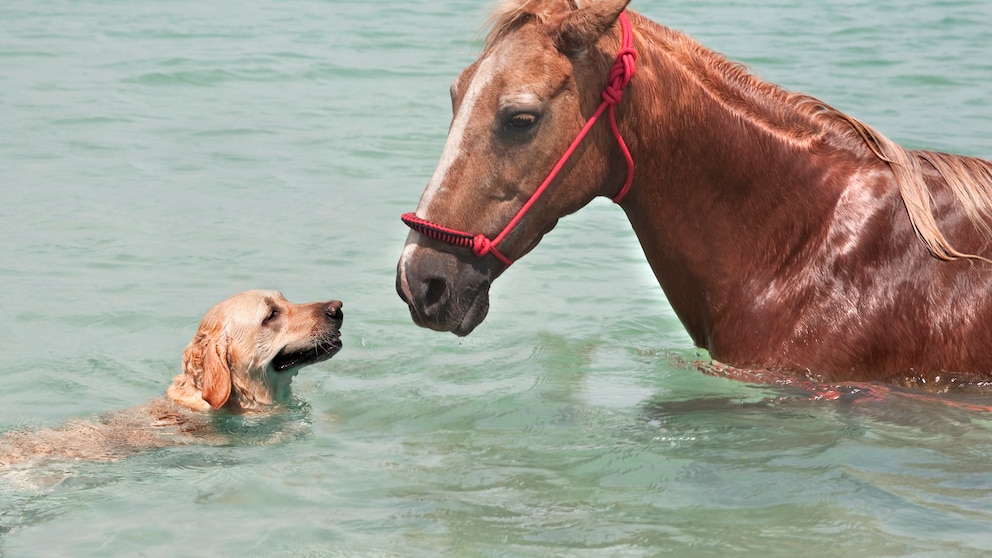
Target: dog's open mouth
{"points": [[322, 351]]}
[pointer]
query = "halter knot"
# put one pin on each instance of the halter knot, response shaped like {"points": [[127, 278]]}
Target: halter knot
{"points": [[612, 94], [620, 75], [481, 245]]}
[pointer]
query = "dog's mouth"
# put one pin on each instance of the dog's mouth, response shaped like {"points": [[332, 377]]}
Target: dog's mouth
{"points": [[325, 349]]}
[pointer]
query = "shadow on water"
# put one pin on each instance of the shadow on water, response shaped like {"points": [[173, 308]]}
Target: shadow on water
{"points": [[937, 413]]}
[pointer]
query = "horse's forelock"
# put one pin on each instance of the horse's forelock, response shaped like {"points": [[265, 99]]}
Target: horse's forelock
{"points": [[510, 14]]}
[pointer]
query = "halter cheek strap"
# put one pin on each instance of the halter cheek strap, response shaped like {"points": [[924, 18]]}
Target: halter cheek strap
{"points": [[620, 75]]}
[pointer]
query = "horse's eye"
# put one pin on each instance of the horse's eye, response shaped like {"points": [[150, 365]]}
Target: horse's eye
{"points": [[522, 121]]}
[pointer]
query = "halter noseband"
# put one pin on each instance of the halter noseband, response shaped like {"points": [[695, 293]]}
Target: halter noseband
{"points": [[620, 75]]}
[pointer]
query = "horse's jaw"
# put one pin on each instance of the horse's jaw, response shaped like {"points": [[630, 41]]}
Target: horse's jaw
{"points": [[443, 292], [470, 317]]}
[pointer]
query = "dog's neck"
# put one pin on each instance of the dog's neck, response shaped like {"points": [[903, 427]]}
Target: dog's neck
{"points": [[250, 391], [258, 389]]}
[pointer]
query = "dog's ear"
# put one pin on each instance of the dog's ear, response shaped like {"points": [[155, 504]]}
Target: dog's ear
{"points": [[215, 383]]}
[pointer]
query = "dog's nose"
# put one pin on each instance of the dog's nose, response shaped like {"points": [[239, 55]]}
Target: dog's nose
{"points": [[333, 309]]}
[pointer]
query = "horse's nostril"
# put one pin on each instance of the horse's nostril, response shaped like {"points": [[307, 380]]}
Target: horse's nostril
{"points": [[435, 291]]}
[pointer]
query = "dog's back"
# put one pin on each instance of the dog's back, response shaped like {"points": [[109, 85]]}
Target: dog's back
{"points": [[115, 435]]}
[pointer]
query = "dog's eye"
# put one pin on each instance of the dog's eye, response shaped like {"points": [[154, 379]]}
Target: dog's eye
{"points": [[272, 315]]}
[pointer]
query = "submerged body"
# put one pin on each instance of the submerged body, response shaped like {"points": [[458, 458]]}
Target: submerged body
{"points": [[785, 234]]}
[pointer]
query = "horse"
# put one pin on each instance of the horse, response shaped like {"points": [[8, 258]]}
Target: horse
{"points": [[787, 236]]}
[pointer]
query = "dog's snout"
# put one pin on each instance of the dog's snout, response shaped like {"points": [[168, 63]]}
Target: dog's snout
{"points": [[333, 309]]}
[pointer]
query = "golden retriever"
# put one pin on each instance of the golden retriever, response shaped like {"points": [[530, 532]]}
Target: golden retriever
{"points": [[242, 359]]}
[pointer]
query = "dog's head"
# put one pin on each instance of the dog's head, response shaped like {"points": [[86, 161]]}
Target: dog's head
{"points": [[248, 348]]}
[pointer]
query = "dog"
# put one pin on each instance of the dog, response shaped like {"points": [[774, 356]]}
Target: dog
{"points": [[241, 360]]}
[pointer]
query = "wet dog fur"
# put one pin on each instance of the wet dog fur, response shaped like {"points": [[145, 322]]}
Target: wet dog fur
{"points": [[242, 359]]}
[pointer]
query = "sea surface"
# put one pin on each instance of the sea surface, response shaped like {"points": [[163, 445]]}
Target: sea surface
{"points": [[158, 156]]}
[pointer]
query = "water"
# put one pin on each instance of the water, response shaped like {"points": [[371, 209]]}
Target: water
{"points": [[160, 156]]}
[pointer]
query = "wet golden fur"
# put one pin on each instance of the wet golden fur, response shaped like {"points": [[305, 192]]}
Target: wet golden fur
{"points": [[232, 363]]}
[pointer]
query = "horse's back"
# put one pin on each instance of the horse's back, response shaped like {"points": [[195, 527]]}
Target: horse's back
{"points": [[898, 312]]}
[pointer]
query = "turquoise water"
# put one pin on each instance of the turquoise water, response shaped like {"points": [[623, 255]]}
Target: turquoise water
{"points": [[159, 156]]}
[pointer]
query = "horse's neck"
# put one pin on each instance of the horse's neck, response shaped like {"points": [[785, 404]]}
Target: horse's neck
{"points": [[722, 199]]}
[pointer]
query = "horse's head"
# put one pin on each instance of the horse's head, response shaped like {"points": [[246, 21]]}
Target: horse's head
{"points": [[516, 111]]}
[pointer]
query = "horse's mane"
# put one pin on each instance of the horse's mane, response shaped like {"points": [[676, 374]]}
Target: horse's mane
{"points": [[969, 179], [799, 118]]}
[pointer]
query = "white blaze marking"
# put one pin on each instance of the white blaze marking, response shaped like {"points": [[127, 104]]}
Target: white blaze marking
{"points": [[453, 145], [452, 150], [404, 281]]}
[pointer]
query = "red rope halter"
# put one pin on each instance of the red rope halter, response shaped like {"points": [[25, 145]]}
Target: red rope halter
{"points": [[620, 75]]}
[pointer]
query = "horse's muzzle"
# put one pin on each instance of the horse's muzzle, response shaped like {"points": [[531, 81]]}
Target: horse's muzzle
{"points": [[442, 292]]}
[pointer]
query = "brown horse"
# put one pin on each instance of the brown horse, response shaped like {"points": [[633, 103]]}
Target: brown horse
{"points": [[786, 235]]}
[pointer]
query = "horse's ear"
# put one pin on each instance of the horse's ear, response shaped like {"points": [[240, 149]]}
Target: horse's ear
{"points": [[580, 28]]}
